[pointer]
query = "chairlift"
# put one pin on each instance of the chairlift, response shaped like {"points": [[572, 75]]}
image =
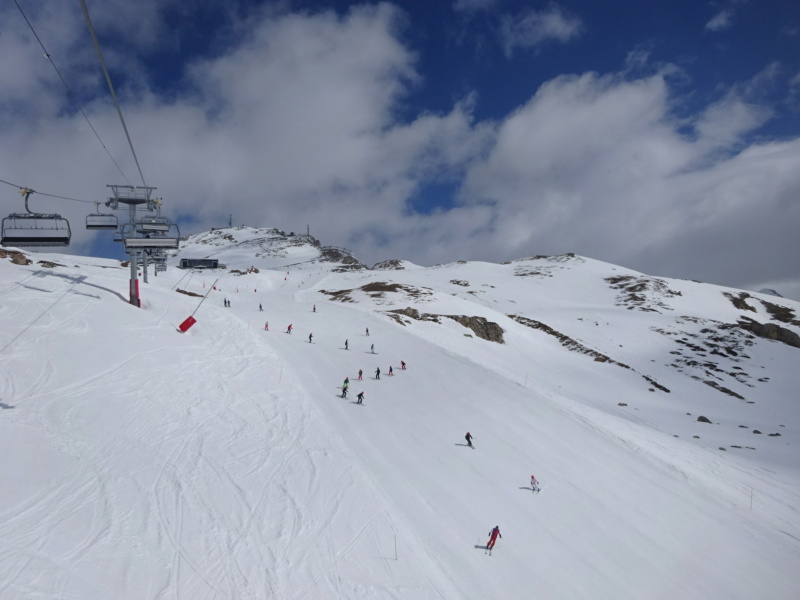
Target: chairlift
{"points": [[155, 240], [98, 220], [30, 229], [147, 224]]}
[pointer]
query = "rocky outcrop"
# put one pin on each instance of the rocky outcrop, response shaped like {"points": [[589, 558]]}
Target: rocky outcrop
{"points": [[739, 301], [771, 331], [340, 255], [576, 346], [18, 258], [480, 326], [393, 264], [486, 330]]}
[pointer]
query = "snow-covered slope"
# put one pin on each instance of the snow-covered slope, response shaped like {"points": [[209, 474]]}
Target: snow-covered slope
{"points": [[223, 463]]}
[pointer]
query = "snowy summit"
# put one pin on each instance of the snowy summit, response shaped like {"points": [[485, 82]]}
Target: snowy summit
{"points": [[632, 436]]}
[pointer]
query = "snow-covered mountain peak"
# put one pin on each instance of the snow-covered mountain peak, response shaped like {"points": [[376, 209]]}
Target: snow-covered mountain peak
{"points": [[264, 248]]}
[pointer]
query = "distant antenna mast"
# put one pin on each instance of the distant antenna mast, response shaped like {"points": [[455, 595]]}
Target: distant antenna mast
{"points": [[230, 220], [308, 230]]}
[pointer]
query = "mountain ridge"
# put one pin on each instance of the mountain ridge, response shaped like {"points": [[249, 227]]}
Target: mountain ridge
{"points": [[224, 461]]}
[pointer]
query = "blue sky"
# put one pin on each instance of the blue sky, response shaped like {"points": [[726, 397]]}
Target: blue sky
{"points": [[663, 136]]}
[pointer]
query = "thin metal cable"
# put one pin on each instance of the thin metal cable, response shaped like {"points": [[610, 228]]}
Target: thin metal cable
{"points": [[72, 95], [110, 85], [19, 187]]}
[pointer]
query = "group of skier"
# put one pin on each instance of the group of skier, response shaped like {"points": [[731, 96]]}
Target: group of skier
{"points": [[495, 532]]}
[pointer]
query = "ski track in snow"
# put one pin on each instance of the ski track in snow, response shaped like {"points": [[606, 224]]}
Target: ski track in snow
{"points": [[222, 464]]}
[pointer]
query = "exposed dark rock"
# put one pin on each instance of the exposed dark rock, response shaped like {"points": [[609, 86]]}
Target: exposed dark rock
{"points": [[642, 292], [388, 265], [740, 300], [18, 258], [249, 270], [331, 254], [719, 387], [576, 346], [484, 329], [703, 419], [771, 331], [415, 314], [189, 293], [784, 314]]}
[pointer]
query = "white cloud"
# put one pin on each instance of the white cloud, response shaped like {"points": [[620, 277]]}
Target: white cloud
{"points": [[597, 165], [533, 28], [297, 123], [720, 21]]}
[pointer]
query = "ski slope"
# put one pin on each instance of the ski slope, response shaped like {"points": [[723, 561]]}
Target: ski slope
{"points": [[223, 463]]}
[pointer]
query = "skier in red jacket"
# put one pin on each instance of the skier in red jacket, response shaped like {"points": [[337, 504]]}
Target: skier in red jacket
{"points": [[493, 537]]}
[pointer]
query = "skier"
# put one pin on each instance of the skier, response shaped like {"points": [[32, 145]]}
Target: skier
{"points": [[289, 329], [367, 331], [360, 373], [310, 335], [390, 371], [468, 437], [372, 348], [344, 391], [360, 397], [403, 365], [535, 484], [260, 308], [266, 326], [345, 345], [493, 537], [378, 373], [346, 381], [315, 308]]}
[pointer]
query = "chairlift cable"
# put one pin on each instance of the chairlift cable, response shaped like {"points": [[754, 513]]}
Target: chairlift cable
{"points": [[19, 187], [69, 90], [88, 19]]}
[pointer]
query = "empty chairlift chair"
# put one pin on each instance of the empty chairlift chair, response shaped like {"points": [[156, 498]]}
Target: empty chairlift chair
{"points": [[30, 229], [151, 224], [169, 239], [98, 220]]}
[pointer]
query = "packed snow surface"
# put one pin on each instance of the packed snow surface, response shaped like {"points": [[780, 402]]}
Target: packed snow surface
{"points": [[141, 462]]}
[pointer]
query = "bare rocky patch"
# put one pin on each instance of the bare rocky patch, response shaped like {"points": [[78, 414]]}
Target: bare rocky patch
{"points": [[770, 331], [393, 264], [48, 265], [237, 272], [480, 326], [18, 258], [641, 293], [187, 293], [378, 290], [576, 346], [713, 354]]}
